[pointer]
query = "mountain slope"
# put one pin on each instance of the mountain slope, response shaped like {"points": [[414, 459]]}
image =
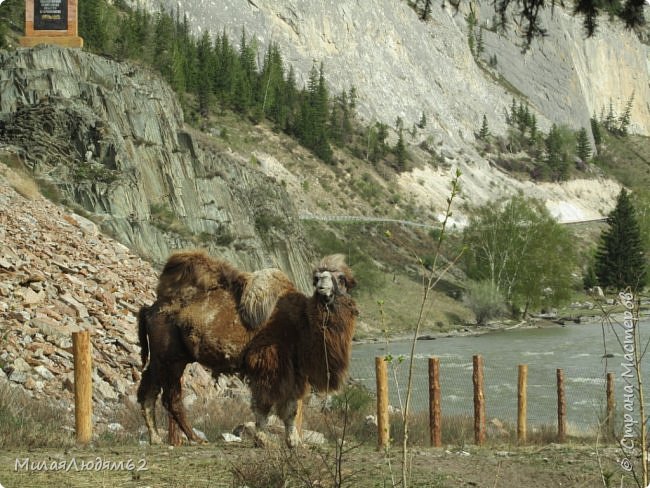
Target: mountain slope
{"points": [[111, 137], [402, 67]]}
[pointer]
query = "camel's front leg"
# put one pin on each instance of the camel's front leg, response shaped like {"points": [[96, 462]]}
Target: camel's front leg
{"points": [[288, 413]]}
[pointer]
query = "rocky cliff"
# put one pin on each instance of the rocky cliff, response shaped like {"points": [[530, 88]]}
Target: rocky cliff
{"points": [[110, 138], [403, 67]]}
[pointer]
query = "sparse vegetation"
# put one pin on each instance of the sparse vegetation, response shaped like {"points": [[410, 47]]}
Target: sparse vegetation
{"points": [[26, 422], [163, 217], [484, 299]]}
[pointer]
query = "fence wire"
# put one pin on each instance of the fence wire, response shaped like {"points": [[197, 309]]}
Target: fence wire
{"points": [[585, 392]]}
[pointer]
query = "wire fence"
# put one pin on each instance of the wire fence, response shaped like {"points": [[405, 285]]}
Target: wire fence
{"points": [[585, 392]]}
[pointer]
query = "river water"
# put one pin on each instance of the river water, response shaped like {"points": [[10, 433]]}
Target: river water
{"points": [[578, 349]]}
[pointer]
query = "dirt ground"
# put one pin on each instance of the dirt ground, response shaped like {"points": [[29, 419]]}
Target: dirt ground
{"points": [[238, 465]]}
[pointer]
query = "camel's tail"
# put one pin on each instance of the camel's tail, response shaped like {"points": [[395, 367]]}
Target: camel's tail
{"points": [[142, 336]]}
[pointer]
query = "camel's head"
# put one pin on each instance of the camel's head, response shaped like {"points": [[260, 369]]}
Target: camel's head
{"points": [[333, 277]]}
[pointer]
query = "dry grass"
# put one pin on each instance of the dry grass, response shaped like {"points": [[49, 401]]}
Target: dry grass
{"points": [[284, 468], [220, 415], [31, 423]]}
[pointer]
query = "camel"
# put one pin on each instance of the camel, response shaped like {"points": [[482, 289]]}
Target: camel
{"points": [[256, 325]]}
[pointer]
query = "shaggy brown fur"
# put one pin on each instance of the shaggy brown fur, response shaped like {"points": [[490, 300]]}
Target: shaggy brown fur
{"points": [[255, 324], [189, 275]]}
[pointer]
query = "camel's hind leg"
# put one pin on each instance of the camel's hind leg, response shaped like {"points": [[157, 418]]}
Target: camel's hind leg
{"points": [[261, 410], [172, 398], [148, 392]]}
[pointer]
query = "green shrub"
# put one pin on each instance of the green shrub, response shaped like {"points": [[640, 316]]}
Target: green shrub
{"points": [[484, 299]]}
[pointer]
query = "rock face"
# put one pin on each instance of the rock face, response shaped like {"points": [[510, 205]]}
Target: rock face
{"points": [[403, 67], [110, 138], [57, 278]]}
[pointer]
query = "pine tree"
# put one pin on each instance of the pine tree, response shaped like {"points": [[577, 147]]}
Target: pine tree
{"points": [[206, 65], [322, 146], [583, 148], [426, 10], [610, 120], [163, 45], [620, 260], [485, 131], [312, 128], [352, 97], [423, 121], [225, 61], [400, 151], [93, 26], [556, 158], [245, 76], [480, 46], [471, 24], [291, 101], [595, 131], [533, 128], [624, 119]]}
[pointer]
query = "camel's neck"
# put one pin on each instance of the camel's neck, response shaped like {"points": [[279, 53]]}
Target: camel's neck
{"points": [[327, 349]]}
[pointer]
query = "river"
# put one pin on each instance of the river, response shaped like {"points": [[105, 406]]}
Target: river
{"points": [[578, 349]]}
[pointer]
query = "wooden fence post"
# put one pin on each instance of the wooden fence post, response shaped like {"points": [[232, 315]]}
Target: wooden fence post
{"points": [[381, 370], [435, 416], [479, 400], [522, 403], [611, 404], [561, 407], [83, 386]]}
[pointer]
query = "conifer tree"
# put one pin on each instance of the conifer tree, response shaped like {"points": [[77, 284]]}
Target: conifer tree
{"points": [[178, 79], [583, 149], [556, 158], [426, 10], [595, 131], [322, 146], [423, 121], [312, 129], [291, 100], [244, 78], [610, 120], [480, 46], [620, 260], [163, 45], [589, 280], [225, 60], [533, 128], [206, 66], [346, 122], [400, 151], [93, 25], [485, 131], [624, 119], [352, 97]]}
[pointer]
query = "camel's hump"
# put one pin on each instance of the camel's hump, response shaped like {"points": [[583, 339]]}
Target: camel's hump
{"points": [[261, 293]]}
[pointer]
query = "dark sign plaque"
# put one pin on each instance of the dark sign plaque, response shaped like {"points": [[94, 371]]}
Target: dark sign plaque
{"points": [[51, 14]]}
